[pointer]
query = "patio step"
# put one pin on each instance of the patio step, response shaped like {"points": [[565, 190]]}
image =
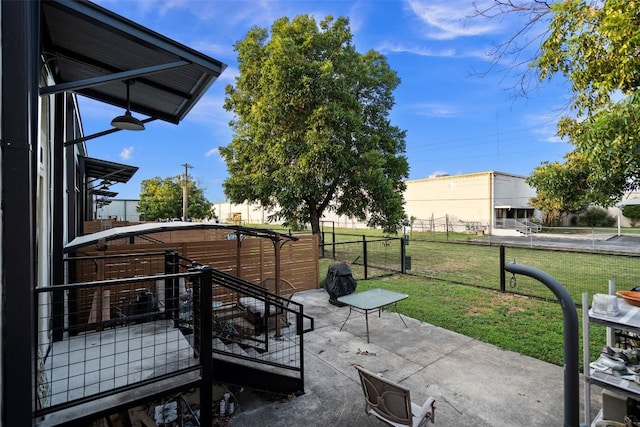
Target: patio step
{"points": [[244, 365]]}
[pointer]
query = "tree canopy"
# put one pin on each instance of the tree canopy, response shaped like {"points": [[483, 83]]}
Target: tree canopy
{"points": [[311, 126], [161, 198], [594, 45], [552, 181]]}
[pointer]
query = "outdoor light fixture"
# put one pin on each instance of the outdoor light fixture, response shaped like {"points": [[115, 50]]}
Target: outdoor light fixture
{"points": [[127, 121]]}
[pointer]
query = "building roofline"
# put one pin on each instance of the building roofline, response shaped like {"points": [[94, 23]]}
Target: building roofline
{"points": [[465, 175]]}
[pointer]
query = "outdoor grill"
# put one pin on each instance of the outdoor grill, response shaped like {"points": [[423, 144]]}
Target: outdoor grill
{"points": [[339, 282]]}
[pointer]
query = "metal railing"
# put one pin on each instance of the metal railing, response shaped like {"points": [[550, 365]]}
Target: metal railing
{"points": [[385, 255], [138, 337], [115, 340]]}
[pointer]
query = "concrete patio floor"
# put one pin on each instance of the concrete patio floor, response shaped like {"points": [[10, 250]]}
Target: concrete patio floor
{"points": [[474, 383]]}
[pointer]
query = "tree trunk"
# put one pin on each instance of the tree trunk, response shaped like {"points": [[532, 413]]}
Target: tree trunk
{"points": [[314, 218]]}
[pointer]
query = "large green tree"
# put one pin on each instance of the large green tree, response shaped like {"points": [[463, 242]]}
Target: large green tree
{"points": [[311, 126], [161, 198], [594, 45], [552, 181]]}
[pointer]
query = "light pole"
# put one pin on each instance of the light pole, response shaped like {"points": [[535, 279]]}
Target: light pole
{"points": [[185, 192]]}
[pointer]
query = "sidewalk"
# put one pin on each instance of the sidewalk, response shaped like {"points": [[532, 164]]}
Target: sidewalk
{"points": [[474, 383]]}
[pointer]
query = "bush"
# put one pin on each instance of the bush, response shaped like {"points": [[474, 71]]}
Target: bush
{"points": [[596, 217], [633, 213]]}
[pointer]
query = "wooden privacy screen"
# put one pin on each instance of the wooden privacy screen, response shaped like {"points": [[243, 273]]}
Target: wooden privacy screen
{"points": [[299, 263]]}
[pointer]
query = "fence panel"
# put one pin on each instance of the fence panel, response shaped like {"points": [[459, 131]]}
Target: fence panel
{"points": [[368, 256], [577, 271], [478, 264]]}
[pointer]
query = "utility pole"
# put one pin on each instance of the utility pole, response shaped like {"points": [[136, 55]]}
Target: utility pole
{"points": [[185, 192]]}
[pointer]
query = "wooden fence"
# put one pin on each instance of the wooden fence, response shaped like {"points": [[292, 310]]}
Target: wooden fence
{"points": [[247, 257]]}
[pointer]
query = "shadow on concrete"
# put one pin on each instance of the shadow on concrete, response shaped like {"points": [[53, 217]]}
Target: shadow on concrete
{"points": [[474, 383]]}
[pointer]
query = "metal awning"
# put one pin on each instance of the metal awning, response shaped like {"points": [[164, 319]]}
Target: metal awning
{"points": [[92, 51], [509, 207], [103, 193], [105, 236], [96, 169]]}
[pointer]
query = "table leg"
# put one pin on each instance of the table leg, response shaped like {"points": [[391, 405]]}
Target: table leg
{"points": [[405, 323], [366, 318], [345, 320]]}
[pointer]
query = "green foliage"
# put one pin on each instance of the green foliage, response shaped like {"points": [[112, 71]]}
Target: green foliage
{"points": [[633, 213], [311, 127], [162, 199], [596, 217], [595, 46], [558, 192]]}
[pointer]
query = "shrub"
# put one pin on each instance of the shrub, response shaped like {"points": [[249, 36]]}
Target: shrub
{"points": [[596, 217], [633, 213]]}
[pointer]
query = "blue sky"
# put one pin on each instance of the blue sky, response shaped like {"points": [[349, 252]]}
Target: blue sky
{"points": [[458, 117]]}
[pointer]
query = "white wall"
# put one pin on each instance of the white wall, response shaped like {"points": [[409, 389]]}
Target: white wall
{"points": [[121, 209], [463, 198], [512, 190]]}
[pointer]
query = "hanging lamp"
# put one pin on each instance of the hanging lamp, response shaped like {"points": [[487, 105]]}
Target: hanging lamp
{"points": [[127, 121]]}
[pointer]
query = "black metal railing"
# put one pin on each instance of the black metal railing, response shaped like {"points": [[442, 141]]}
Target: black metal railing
{"points": [[374, 255], [172, 321], [117, 340]]}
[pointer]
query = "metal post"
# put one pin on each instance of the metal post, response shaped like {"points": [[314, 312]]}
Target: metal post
{"points": [[57, 229], [570, 315], [171, 287], [206, 346], [403, 261], [333, 239], [276, 250], [503, 278], [20, 35], [364, 255]]}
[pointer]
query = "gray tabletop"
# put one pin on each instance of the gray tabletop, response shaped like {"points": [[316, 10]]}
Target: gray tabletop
{"points": [[372, 299]]}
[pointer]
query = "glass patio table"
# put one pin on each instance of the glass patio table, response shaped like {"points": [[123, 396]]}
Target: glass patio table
{"points": [[371, 300]]}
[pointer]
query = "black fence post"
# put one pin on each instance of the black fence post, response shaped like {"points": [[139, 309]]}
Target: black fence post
{"points": [[196, 296], [171, 287], [364, 255], [503, 278], [333, 241], [322, 241], [206, 346], [403, 255]]}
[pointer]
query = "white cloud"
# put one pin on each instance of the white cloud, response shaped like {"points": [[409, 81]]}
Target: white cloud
{"points": [[544, 126], [210, 111], [126, 153], [446, 20], [212, 48], [212, 152], [416, 50], [434, 109]]}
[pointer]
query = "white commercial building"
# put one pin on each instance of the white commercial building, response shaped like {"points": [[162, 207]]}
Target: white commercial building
{"points": [[491, 202]]}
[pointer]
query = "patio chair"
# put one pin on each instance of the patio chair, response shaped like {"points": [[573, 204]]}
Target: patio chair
{"points": [[391, 402]]}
